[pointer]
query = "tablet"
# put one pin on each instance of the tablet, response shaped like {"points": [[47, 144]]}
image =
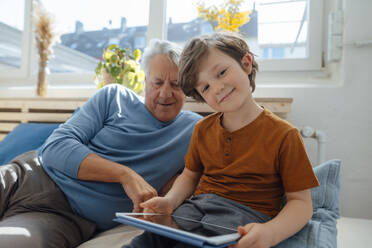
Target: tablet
{"points": [[187, 230]]}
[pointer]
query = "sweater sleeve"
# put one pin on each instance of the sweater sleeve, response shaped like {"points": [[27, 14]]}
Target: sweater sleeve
{"points": [[65, 149]]}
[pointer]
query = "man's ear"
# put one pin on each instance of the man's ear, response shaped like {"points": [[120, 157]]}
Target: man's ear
{"points": [[247, 63]]}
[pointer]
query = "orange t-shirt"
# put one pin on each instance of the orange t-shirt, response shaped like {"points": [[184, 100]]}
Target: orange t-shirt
{"points": [[254, 165]]}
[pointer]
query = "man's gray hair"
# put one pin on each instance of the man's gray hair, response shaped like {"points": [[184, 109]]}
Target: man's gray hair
{"points": [[156, 46]]}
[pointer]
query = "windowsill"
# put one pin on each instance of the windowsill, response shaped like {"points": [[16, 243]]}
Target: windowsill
{"points": [[67, 91], [325, 78]]}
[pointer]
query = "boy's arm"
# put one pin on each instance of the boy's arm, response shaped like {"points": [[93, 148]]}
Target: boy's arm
{"points": [[294, 215], [163, 191], [182, 188]]}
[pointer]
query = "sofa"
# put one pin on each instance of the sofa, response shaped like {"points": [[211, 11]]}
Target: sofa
{"points": [[325, 229]]}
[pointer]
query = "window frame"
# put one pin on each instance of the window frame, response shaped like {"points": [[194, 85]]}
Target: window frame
{"points": [[23, 72], [157, 28], [314, 46]]}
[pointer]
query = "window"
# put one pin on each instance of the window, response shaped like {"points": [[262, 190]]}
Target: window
{"points": [[289, 34], [11, 35], [285, 34], [283, 28], [89, 27], [277, 30]]}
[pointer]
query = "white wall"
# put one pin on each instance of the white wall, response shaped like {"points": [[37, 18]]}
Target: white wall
{"points": [[343, 109]]}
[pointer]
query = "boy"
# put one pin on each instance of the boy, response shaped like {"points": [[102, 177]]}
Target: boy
{"points": [[246, 158]]}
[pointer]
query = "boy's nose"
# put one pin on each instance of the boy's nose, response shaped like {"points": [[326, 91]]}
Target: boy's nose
{"points": [[218, 87]]}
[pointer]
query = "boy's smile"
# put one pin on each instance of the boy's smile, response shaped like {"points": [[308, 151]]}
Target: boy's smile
{"points": [[227, 96]]}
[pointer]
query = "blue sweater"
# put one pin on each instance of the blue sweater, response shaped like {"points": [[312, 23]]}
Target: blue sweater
{"points": [[116, 125]]}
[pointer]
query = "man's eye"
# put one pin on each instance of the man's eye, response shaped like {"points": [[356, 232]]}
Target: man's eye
{"points": [[205, 88], [222, 72], [158, 84]]}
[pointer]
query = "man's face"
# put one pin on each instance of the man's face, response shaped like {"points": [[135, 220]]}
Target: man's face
{"points": [[164, 98]]}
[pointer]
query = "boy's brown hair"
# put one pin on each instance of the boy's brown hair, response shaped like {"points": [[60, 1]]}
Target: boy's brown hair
{"points": [[196, 50]]}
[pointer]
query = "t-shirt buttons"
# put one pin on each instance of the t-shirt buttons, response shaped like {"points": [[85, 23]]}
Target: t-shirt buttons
{"points": [[228, 139], [227, 154]]}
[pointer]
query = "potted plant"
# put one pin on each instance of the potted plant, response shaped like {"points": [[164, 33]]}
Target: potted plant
{"points": [[121, 67]]}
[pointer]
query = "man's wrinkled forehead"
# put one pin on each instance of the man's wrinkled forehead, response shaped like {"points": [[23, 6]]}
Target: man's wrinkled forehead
{"points": [[161, 66]]}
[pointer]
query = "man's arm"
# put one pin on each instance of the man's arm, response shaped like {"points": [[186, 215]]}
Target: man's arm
{"points": [[96, 168], [67, 146]]}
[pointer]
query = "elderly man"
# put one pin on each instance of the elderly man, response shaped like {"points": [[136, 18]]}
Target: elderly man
{"points": [[114, 153]]}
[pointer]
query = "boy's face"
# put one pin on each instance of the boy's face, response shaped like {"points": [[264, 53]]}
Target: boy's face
{"points": [[223, 83]]}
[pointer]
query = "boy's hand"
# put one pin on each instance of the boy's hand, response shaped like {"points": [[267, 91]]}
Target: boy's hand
{"points": [[161, 205], [137, 189], [254, 235]]}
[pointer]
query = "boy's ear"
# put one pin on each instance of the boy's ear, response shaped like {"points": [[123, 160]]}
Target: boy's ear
{"points": [[247, 63]]}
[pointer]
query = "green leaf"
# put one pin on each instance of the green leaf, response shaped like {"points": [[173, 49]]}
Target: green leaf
{"points": [[141, 75], [114, 58], [98, 68], [107, 67], [138, 87], [115, 71], [99, 85], [107, 55], [137, 54], [111, 47]]}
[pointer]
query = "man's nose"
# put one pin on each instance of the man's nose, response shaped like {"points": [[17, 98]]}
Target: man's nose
{"points": [[166, 90]]}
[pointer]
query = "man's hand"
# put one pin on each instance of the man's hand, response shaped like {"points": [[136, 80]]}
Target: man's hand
{"points": [[96, 168], [162, 205], [137, 189], [254, 235]]}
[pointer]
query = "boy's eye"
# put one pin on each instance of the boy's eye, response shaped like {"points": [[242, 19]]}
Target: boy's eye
{"points": [[222, 72], [205, 88]]}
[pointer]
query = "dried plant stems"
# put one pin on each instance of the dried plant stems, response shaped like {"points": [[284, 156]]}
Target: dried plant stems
{"points": [[45, 38]]}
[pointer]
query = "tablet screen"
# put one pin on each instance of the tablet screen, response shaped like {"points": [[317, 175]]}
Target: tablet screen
{"points": [[186, 224]]}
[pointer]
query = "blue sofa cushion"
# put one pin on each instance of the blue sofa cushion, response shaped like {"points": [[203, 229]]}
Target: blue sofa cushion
{"points": [[25, 137], [321, 231], [327, 194]]}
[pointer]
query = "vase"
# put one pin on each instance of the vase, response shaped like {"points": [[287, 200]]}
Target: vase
{"points": [[42, 79], [106, 77]]}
